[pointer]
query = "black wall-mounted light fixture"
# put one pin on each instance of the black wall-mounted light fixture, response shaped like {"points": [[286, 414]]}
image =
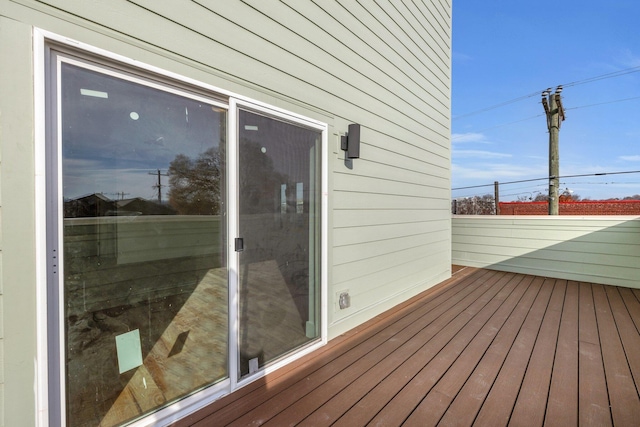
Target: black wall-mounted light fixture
{"points": [[351, 141]]}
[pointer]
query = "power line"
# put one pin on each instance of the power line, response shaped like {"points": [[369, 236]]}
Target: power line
{"points": [[546, 178], [537, 189], [539, 115], [504, 124], [502, 104], [605, 76], [602, 183], [603, 103], [502, 183]]}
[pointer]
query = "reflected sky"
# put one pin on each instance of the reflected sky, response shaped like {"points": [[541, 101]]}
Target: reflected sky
{"points": [[117, 134]]}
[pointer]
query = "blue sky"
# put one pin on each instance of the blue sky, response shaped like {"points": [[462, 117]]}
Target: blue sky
{"points": [[505, 50]]}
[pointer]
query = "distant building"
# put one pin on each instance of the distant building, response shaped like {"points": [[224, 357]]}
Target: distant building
{"points": [[98, 205], [141, 206]]}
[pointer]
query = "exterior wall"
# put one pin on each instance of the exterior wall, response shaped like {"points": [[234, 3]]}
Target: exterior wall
{"points": [[591, 249], [587, 207], [390, 233], [17, 244], [386, 67]]}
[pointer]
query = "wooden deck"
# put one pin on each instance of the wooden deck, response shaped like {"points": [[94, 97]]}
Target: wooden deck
{"points": [[484, 348]]}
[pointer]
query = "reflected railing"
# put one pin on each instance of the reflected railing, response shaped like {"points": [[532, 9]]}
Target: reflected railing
{"points": [[162, 277]]}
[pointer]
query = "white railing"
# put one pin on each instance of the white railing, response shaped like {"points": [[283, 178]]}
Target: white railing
{"points": [[597, 249]]}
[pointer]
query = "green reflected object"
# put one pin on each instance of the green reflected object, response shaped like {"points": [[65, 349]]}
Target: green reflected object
{"points": [[129, 350]]}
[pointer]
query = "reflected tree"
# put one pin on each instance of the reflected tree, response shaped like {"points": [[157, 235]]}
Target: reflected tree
{"points": [[194, 184], [259, 181]]}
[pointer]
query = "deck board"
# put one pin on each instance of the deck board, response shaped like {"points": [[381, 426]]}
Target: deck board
{"points": [[436, 403], [626, 326], [322, 384], [562, 405], [623, 396], [532, 399], [485, 348], [426, 368], [593, 398], [465, 407], [498, 405]]}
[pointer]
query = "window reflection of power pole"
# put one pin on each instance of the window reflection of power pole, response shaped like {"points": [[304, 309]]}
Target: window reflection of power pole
{"points": [[119, 195], [159, 184]]}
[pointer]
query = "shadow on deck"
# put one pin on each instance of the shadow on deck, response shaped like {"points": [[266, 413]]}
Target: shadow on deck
{"points": [[484, 348]]}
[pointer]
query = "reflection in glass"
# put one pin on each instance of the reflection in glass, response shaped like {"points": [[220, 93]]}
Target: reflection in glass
{"points": [[145, 282], [279, 223]]}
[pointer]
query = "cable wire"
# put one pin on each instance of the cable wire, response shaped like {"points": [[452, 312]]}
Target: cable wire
{"points": [[546, 178], [605, 76], [603, 103], [493, 107]]}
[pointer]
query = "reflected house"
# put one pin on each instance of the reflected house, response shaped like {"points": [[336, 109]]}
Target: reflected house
{"points": [[97, 205], [139, 206], [92, 205], [266, 242]]}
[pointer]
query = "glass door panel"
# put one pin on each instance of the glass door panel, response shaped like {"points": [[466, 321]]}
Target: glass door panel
{"points": [[279, 222], [144, 237]]}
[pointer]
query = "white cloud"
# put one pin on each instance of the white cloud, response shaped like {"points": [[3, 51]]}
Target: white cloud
{"points": [[479, 154], [635, 158], [629, 58], [483, 173], [461, 57], [468, 137]]}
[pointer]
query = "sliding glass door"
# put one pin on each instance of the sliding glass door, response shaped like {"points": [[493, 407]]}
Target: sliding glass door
{"points": [[147, 308], [279, 225], [145, 288]]}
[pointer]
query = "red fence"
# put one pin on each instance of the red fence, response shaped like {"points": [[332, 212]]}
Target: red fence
{"points": [[587, 207]]}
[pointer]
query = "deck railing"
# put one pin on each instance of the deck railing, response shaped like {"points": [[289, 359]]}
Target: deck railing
{"points": [[603, 249]]}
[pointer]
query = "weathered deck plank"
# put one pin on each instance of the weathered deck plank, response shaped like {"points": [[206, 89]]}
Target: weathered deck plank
{"points": [[532, 399], [487, 348], [427, 366], [623, 396], [593, 399], [562, 406], [498, 405]]}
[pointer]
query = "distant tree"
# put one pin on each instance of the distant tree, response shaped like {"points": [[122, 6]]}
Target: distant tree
{"points": [[476, 205], [541, 198], [529, 197], [567, 196], [194, 184], [634, 197]]}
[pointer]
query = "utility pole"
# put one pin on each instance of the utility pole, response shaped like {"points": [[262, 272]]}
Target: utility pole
{"points": [[159, 184], [496, 196], [552, 104]]}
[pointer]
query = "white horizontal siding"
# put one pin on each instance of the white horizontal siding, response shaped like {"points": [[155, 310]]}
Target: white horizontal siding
{"points": [[235, 38], [591, 249], [380, 288], [383, 64], [355, 218]]}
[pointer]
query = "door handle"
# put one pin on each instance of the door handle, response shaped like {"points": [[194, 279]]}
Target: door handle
{"points": [[239, 244]]}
